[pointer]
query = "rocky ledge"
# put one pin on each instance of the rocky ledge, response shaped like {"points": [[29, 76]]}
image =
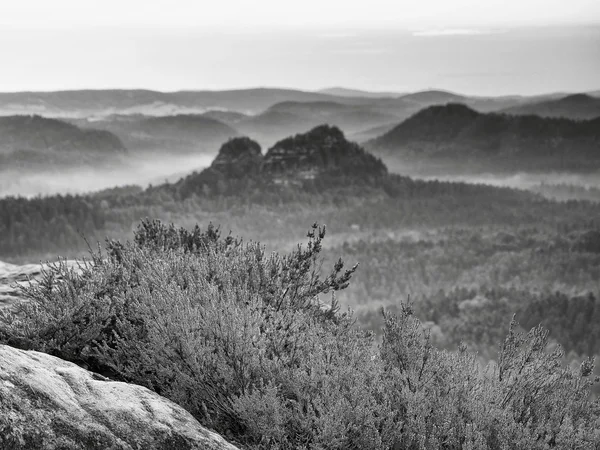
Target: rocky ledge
{"points": [[48, 403]]}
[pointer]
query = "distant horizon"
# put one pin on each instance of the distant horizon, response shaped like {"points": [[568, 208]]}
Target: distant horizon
{"points": [[382, 92], [480, 61]]}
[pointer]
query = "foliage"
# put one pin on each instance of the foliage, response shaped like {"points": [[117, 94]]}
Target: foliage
{"points": [[241, 340]]}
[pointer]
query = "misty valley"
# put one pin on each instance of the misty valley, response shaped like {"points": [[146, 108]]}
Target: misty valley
{"points": [[470, 219]]}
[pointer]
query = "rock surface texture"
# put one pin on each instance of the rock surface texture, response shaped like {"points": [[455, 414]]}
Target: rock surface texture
{"points": [[12, 276], [48, 403]]}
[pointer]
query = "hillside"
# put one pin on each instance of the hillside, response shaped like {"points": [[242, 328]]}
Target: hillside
{"points": [[371, 133], [287, 118], [433, 97], [84, 103], [102, 103], [228, 117], [575, 106], [458, 135], [270, 126], [30, 141], [36, 133], [183, 133], [350, 118], [345, 92]]}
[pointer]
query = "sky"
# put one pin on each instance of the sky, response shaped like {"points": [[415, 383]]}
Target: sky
{"points": [[481, 47]]}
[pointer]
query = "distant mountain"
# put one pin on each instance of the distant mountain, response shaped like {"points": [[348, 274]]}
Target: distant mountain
{"points": [[287, 118], [183, 133], [575, 106], [85, 103], [26, 141], [371, 133], [41, 134], [102, 103], [433, 97], [423, 99], [228, 117], [321, 155], [344, 92], [458, 135], [272, 126]]}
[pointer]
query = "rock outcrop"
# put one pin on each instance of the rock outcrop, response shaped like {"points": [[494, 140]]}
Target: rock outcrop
{"points": [[239, 157], [322, 155], [48, 403], [322, 149]]}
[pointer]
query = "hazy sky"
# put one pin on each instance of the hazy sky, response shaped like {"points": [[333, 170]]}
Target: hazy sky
{"points": [[484, 47]]}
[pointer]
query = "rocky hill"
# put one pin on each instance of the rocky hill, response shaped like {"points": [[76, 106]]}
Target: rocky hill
{"points": [[455, 133], [321, 153], [323, 149]]}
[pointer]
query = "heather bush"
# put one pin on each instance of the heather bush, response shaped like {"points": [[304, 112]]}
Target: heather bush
{"points": [[245, 342]]}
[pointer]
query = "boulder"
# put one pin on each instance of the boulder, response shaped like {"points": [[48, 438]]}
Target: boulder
{"points": [[48, 403]]}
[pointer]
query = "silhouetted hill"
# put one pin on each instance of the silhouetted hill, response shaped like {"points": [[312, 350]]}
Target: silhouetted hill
{"points": [[322, 149], [575, 106], [433, 97], [322, 153], [32, 141], [272, 126], [228, 117], [101, 103], [456, 134], [238, 157], [419, 100], [37, 133], [183, 133], [345, 92], [288, 118], [371, 133], [84, 103], [349, 117]]}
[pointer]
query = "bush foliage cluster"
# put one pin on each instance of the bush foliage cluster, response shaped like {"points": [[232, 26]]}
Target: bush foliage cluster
{"points": [[244, 341]]}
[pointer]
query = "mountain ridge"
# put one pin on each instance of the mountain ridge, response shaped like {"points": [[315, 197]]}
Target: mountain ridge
{"points": [[580, 106], [454, 131], [37, 133]]}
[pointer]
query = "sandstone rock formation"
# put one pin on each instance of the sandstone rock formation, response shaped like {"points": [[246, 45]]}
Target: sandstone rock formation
{"points": [[321, 153], [48, 403]]}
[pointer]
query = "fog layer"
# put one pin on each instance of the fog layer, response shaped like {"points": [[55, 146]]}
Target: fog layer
{"points": [[139, 171]]}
